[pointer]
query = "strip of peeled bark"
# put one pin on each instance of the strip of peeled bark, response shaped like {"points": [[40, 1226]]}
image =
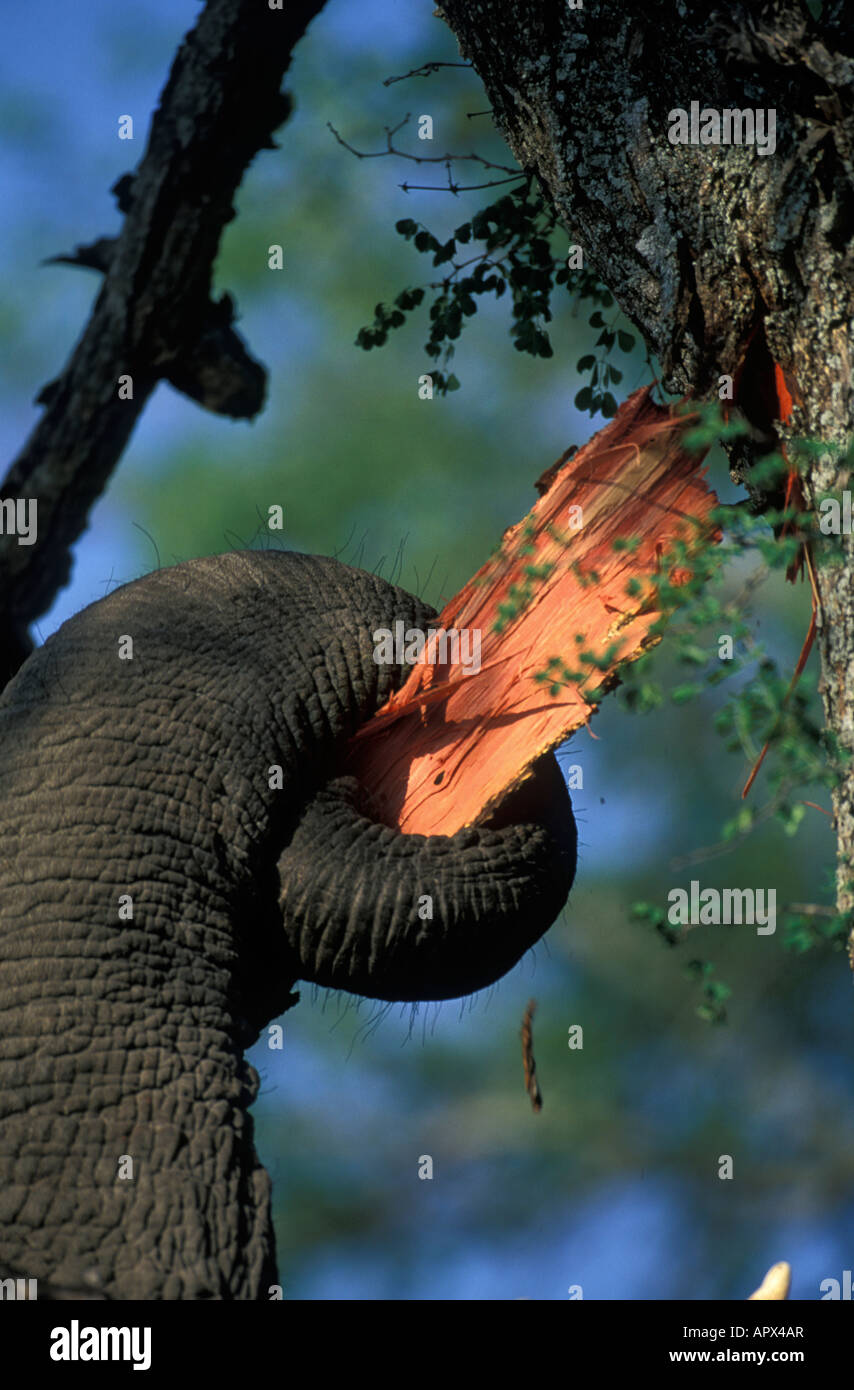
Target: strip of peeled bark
{"points": [[569, 589], [708, 249]]}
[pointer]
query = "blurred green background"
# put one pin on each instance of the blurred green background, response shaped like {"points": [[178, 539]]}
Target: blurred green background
{"points": [[614, 1186]]}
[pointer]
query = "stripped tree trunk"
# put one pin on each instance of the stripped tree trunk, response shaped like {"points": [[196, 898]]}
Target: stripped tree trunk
{"points": [[727, 260]]}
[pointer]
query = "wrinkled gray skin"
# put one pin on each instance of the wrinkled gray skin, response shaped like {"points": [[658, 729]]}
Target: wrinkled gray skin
{"points": [[150, 777]]}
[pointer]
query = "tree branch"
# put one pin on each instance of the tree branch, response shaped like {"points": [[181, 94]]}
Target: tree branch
{"points": [[425, 70], [154, 318], [730, 260], [391, 148]]}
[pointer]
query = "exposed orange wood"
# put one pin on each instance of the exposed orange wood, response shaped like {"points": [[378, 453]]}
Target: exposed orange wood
{"points": [[448, 745], [785, 402]]}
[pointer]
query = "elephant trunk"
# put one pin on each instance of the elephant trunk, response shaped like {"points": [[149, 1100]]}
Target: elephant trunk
{"points": [[447, 914], [144, 843]]}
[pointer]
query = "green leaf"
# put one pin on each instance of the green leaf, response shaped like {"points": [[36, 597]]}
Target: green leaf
{"points": [[791, 816], [445, 253]]}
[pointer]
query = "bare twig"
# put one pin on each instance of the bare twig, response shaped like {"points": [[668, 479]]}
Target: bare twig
{"points": [[531, 1083], [458, 187], [424, 71], [391, 149]]}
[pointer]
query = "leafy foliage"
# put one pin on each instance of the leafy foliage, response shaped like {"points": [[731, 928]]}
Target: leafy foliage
{"points": [[512, 252], [766, 707], [512, 244], [714, 641]]}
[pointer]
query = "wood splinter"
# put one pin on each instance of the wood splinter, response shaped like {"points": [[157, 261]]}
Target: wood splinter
{"points": [[568, 598], [532, 1086]]}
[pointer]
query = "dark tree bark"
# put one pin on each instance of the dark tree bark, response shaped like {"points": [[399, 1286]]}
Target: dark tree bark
{"points": [[154, 318], [727, 261]]}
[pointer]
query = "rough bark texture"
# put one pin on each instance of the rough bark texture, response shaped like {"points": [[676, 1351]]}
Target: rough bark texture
{"points": [[154, 318], [725, 259]]}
